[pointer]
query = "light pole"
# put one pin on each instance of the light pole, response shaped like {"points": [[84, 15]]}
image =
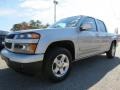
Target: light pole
{"points": [[55, 3]]}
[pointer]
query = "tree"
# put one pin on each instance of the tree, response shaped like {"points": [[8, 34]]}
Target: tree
{"points": [[45, 26], [16, 27], [24, 26], [32, 24], [38, 23]]}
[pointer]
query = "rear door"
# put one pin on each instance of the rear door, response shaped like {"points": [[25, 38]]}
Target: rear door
{"points": [[103, 35], [88, 41]]}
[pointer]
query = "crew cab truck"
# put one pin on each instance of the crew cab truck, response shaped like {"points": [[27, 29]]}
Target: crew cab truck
{"points": [[52, 50]]}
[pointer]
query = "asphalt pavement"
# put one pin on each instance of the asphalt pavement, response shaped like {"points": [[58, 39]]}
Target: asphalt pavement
{"points": [[95, 73]]}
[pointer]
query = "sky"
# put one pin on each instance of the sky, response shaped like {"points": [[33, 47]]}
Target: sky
{"points": [[17, 11]]}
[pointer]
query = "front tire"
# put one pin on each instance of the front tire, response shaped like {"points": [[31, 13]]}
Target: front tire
{"points": [[112, 51], [57, 64]]}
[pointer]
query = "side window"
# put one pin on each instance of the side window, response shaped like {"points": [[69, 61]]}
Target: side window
{"points": [[101, 26], [90, 21]]}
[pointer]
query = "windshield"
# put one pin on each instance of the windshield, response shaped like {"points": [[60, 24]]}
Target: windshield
{"points": [[67, 22]]}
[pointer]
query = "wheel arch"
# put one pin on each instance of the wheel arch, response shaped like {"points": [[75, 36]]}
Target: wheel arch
{"points": [[115, 42], [65, 44]]}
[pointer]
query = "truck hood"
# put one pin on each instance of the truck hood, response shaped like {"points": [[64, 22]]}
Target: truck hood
{"points": [[47, 30]]}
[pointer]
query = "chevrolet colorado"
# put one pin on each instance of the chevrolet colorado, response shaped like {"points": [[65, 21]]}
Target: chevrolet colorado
{"points": [[52, 50]]}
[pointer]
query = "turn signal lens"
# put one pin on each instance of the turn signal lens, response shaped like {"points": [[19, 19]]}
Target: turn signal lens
{"points": [[32, 48], [35, 36]]}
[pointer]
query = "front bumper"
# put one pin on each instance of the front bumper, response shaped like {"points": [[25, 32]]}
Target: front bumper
{"points": [[21, 58], [22, 62]]}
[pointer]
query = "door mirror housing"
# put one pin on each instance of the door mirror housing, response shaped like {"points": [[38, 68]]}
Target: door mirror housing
{"points": [[85, 26]]}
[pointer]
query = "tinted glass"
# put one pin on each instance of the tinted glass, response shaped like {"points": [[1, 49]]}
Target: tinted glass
{"points": [[101, 26], [67, 22], [91, 21]]}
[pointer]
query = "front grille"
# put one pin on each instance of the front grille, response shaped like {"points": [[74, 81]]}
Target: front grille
{"points": [[8, 45], [11, 36]]}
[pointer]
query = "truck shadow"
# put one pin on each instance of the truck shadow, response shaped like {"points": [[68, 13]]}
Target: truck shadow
{"points": [[85, 74]]}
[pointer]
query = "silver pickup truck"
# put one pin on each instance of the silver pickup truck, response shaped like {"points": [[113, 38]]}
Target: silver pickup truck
{"points": [[53, 50]]}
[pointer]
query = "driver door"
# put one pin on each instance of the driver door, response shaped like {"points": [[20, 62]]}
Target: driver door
{"points": [[88, 41]]}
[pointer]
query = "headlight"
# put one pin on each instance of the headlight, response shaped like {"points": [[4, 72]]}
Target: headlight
{"points": [[28, 36], [25, 48]]}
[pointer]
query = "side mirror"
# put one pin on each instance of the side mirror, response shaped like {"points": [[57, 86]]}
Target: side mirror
{"points": [[85, 26]]}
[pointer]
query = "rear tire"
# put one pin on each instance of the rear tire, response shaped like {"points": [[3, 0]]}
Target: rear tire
{"points": [[57, 64], [112, 51]]}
